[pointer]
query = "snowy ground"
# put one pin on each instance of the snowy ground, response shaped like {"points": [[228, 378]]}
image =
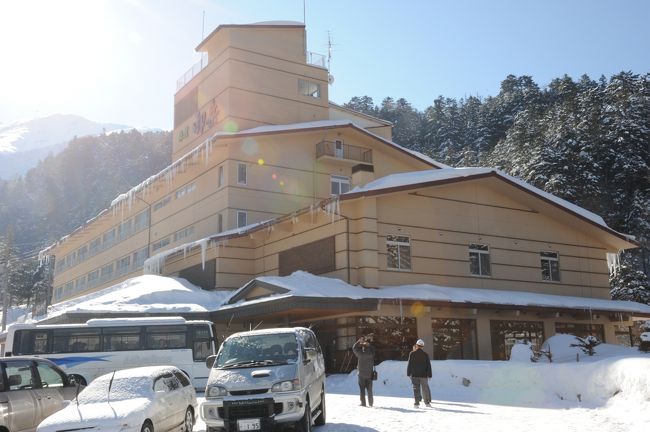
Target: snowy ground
{"points": [[609, 392]]}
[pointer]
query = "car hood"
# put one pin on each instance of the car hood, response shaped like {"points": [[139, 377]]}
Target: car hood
{"points": [[252, 378], [101, 415]]}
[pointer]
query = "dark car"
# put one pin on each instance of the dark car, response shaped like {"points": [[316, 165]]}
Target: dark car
{"points": [[31, 389]]}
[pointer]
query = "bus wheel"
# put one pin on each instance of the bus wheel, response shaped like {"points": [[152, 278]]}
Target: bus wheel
{"points": [[78, 379]]}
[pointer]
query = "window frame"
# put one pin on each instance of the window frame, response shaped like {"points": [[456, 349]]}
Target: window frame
{"points": [[339, 180], [545, 258], [241, 165], [474, 248], [239, 213], [399, 244]]}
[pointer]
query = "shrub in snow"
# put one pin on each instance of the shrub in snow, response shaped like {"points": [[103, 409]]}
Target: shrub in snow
{"points": [[645, 337], [587, 344], [522, 352]]}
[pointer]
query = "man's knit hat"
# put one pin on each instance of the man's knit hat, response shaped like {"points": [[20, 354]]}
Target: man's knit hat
{"points": [[420, 342]]}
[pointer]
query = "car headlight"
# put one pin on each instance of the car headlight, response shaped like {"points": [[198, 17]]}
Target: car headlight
{"points": [[286, 386], [216, 391]]}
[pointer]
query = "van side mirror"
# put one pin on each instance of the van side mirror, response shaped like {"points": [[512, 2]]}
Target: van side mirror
{"points": [[209, 362], [306, 354]]}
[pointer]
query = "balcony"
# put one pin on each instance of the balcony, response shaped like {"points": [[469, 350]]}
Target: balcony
{"points": [[336, 150]]}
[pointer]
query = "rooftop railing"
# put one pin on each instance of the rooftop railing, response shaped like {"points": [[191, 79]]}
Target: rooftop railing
{"points": [[315, 59], [192, 72]]}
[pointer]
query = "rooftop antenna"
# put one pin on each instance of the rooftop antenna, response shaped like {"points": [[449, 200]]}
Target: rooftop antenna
{"points": [[330, 77], [203, 27]]}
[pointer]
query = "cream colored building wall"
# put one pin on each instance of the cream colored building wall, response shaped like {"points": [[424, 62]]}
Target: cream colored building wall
{"points": [[443, 221], [251, 81], [376, 126]]}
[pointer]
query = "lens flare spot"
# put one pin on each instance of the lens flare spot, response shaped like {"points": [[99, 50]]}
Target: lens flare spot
{"points": [[274, 176], [260, 161], [417, 309], [249, 146], [281, 182], [231, 126]]}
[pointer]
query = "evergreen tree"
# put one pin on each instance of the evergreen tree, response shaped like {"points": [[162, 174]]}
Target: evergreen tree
{"points": [[631, 285]]}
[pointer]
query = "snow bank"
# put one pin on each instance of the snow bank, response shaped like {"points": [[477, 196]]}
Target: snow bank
{"points": [[566, 385]]}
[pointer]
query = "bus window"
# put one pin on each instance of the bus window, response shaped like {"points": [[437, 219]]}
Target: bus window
{"points": [[122, 338], [166, 337], [40, 342], [75, 340], [202, 344]]}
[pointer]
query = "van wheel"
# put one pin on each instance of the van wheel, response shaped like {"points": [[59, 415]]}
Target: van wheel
{"points": [[147, 426], [320, 420], [304, 424]]}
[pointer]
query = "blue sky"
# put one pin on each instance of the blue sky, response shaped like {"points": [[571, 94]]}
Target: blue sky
{"points": [[117, 61]]}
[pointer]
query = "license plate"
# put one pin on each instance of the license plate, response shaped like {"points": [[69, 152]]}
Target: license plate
{"points": [[249, 424]]}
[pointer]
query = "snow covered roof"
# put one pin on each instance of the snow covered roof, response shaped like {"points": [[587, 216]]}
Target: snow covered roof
{"points": [[303, 284], [142, 294], [419, 179]]}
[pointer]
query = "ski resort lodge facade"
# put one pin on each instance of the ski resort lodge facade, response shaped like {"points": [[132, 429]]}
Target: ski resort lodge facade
{"points": [[268, 177]]}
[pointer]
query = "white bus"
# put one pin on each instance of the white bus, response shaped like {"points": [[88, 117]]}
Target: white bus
{"points": [[103, 345]]}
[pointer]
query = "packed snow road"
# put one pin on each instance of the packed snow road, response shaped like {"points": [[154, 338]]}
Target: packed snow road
{"points": [[396, 414]]}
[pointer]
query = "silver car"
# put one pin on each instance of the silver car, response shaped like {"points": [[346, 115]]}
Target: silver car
{"points": [[31, 389], [263, 378]]}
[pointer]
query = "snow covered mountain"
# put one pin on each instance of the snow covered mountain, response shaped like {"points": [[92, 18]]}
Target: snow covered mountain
{"points": [[24, 143]]}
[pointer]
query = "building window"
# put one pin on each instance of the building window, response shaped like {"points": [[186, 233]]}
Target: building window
{"points": [[141, 221], [505, 334], [309, 88], [241, 173], [139, 257], [184, 233], [220, 223], [108, 239], [106, 273], [392, 336], [339, 184], [220, 178], [80, 284], [160, 244], [242, 219], [82, 253], [95, 246], [185, 190], [454, 339], [93, 279], [398, 249], [124, 230], [123, 265], [479, 260], [550, 266], [162, 203], [581, 330]]}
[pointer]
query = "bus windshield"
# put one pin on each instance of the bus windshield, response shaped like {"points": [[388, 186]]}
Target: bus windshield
{"points": [[255, 350]]}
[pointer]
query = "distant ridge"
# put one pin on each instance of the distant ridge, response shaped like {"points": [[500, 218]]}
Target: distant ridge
{"points": [[24, 143]]}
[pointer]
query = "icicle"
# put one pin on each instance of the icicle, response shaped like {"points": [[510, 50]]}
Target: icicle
{"points": [[204, 247], [401, 312]]}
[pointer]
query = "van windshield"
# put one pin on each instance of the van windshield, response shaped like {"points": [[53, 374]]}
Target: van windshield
{"points": [[255, 350]]}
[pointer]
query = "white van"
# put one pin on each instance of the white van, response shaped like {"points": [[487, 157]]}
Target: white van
{"points": [[264, 378]]}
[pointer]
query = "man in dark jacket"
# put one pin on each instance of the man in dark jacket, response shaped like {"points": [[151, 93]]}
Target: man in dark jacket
{"points": [[365, 365], [419, 370]]}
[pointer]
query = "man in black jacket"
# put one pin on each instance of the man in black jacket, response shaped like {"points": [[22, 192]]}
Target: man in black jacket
{"points": [[419, 370], [365, 365]]}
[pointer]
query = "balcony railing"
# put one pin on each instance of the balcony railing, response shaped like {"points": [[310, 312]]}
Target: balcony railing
{"points": [[339, 150], [315, 59], [191, 72]]}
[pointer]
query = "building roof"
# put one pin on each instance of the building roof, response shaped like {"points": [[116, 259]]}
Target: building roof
{"points": [[419, 179], [261, 24], [302, 284]]}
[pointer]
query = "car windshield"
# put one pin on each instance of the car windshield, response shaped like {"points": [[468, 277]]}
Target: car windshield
{"points": [[258, 350]]}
